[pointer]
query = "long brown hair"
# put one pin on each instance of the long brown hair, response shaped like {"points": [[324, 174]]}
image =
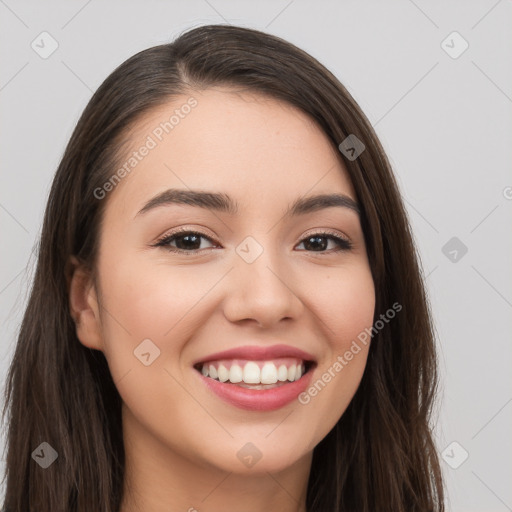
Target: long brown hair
{"points": [[379, 456]]}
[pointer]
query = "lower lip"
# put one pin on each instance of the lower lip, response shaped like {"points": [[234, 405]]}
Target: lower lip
{"points": [[258, 399]]}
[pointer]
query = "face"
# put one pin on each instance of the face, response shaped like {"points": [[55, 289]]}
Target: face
{"points": [[279, 289]]}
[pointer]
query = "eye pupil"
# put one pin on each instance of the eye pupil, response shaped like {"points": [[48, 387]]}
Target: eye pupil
{"points": [[188, 245], [310, 241]]}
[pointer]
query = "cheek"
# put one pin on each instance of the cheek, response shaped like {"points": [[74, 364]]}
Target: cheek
{"points": [[345, 305], [152, 312], [159, 302], [344, 301], [151, 301], [352, 318]]}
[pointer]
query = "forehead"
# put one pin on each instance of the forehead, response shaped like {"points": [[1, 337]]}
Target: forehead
{"points": [[257, 149]]}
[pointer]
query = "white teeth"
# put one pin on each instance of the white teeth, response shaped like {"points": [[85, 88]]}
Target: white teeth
{"points": [[282, 373], [269, 373], [212, 371], [235, 374], [251, 373], [223, 373]]}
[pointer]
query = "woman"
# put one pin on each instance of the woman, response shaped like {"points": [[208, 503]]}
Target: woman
{"points": [[228, 308]]}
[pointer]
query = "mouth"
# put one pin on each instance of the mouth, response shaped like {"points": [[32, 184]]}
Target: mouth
{"points": [[257, 378], [256, 374]]}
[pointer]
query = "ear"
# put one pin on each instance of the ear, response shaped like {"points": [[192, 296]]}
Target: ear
{"points": [[83, 304]]}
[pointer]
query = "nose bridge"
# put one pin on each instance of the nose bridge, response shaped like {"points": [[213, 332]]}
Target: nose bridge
{"points": [[257, 265], [261, 290]]}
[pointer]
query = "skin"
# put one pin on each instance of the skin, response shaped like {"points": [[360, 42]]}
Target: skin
{"points": [[181, 440]]}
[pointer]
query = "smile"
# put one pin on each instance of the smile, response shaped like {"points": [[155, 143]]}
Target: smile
{"points": [[237, 371], [259, 379]]}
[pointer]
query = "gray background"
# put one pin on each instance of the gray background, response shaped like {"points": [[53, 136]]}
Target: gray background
{"points": [[445, 123]]}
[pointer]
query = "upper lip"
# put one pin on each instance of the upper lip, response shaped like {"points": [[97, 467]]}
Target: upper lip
{"points": [[255, 352]]}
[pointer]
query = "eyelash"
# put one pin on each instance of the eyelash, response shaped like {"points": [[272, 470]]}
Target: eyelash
{"points": [[343, 244]]}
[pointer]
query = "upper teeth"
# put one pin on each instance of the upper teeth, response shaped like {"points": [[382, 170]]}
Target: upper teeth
{"points": [[251, 372]]}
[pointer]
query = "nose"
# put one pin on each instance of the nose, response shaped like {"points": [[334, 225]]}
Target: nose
{"points": [[264, 291]]}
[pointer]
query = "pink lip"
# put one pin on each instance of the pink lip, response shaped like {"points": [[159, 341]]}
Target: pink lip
{"points": [[256, 353], [258, 399]]}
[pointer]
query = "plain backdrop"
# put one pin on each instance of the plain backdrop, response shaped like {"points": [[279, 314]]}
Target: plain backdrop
{"points": [[441, 103]]}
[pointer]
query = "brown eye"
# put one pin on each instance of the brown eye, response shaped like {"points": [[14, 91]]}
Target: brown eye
{"points": [[318, 242], [186, 242], [189, 242]]}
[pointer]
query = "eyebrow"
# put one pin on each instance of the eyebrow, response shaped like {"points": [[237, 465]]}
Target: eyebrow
{"points": [[223, 203]]}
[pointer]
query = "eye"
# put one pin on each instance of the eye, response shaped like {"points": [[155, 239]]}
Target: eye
{"points": [[318, 242], [187, 242]]}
